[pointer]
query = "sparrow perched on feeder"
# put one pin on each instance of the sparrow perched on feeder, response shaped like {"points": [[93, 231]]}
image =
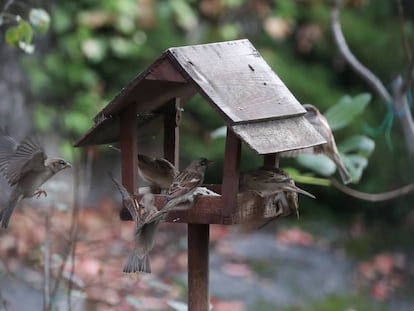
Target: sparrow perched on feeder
{"points": [[147, 219], [157, 172], [267, 182], [181, 192], [320, 123], [26, 167]]}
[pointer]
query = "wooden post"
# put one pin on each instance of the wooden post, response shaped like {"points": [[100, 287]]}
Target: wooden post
{"points": [[198, 270], [172, 116], [271, 160], [230, 186], [129, 160], [198, 234]]}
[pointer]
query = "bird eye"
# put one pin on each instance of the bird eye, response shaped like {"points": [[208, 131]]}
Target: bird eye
{"points": [[61, 162]]}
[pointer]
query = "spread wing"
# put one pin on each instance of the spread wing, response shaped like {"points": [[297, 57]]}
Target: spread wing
{"points": [[185, 182], [127, 200], [8, 147], [28, 157]]}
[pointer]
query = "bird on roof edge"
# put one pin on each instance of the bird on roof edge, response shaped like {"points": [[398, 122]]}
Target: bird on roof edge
{"points": [[319, 122]]}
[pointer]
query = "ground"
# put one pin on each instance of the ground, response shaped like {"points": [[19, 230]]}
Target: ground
{"points": [[289, 264]]}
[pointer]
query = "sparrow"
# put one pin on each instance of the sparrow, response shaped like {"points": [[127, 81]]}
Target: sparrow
{"points": [[181, 192], [147, 220], [157, 172], [267, 182], [320, 123], [26, 167]]}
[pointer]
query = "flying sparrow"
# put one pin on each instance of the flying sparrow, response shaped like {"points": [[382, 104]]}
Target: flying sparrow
{"points": [[157, 172], [320, 123], [181, 191], [267, 182], [25, 167], [147, 219]]}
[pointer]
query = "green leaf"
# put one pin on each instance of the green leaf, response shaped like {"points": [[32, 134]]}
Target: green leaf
{"points": [[94, 49], [12, 36], [306, 178], [20, 36], [185, 15], [40, 20], [355, 164], [25, 32], [346, 110], [318, 163], [360, 144]]}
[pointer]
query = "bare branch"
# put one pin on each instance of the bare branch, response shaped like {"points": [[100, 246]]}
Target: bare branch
{"points": [[403, 112], [376, 197], [409, 78], [46, 266], [406, 44], [356, 65]]}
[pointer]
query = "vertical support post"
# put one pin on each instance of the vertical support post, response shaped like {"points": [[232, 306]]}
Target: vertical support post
{"points": [[198, 270], [172, 117], [230, 184], [271, 160], [198, 234], [129, 151]]}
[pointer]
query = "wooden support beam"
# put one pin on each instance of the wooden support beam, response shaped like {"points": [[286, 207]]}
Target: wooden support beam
{"points": [[271, 160], [172, 117], [230, 185], [198, 267], [129, 160]]}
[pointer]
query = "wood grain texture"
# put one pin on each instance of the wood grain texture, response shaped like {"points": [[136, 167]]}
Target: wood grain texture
{"points": [[279, 135], [235, 78], [208, 209], [129, 160], [172, 116], [198, 267], [231, 167]]}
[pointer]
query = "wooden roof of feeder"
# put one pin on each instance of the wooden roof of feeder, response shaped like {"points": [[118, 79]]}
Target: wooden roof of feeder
{"points": [[234, 78]]}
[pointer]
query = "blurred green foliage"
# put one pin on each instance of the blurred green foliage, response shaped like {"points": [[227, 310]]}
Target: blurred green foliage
{"points": [[20, 27], [95, 47]]}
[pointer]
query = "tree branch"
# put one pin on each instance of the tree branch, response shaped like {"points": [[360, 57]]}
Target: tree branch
{"points": [[376, 197], [350, 58]]}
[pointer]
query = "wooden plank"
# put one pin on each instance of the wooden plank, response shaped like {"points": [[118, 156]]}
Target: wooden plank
{"points": [[208, 209], [129, 161], [198, 269], [148, 96], [279, 135], [231, 166], [164, 71], [235, 78]]}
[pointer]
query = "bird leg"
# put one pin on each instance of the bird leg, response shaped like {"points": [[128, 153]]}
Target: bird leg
{"points": [[39, 192]]}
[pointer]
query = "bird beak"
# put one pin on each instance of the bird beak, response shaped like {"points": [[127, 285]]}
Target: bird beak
{"points": [[68, 165], [209, 162]]}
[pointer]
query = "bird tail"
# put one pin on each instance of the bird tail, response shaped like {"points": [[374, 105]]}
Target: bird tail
{"points": [[136, 263], [6, 212], [295, 188], [345, 176]]}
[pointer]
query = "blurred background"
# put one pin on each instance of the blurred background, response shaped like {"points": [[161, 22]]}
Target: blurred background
{"points": [[70, 58]]}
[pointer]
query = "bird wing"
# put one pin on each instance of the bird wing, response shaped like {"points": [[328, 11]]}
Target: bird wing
{"points": [[127, 200], [7, 148], [28, 157], [166, 166], [184, 183]]}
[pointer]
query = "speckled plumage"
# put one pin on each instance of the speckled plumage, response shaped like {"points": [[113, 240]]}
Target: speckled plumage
{"points": [[26, 167]]}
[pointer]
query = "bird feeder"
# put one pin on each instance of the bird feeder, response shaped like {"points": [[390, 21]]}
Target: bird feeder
{"points": [[257, 108]]}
